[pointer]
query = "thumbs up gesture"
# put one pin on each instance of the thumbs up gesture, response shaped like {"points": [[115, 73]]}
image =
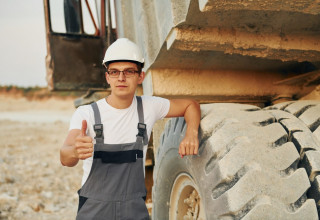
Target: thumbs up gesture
{"points": [[83, 143]]}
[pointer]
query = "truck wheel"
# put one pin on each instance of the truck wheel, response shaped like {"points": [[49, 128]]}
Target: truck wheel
{"points": [[253, 164]]}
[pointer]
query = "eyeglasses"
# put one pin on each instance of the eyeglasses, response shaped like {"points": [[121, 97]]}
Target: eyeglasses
{"points": [[126, 73]]}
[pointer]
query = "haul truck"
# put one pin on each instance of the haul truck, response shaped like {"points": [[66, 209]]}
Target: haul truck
{"points": [[253, 66]]}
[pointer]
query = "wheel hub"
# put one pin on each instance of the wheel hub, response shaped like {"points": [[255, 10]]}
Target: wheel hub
{"points": [[185, 201]]}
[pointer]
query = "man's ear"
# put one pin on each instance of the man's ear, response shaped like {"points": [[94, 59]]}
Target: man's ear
{"points": [[107, 77], [142, 75]]}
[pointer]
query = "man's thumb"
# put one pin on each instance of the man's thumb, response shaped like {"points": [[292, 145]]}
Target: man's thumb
{"points": [[84, 128]]}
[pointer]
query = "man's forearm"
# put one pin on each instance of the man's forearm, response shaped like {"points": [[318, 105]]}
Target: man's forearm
{"points": [[190, 109], [192, 116]]}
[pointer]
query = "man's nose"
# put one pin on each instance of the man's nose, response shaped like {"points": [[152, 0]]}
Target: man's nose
{"points": [[121, 76]]}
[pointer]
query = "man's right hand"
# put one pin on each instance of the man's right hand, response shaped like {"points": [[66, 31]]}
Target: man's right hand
{"points": [[83, 147]]}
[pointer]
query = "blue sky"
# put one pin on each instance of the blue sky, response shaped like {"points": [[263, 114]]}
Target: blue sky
{"points": [[22, 43]]}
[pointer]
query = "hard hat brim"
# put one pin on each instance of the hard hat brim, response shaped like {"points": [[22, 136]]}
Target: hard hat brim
{"points": [[115, 61]]}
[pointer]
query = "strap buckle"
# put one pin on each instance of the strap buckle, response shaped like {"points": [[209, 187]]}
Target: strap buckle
{"points": [[98, 128], [141, 129]]}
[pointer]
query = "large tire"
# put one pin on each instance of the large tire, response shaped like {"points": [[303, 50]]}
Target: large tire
{"points": [[253, 164]]}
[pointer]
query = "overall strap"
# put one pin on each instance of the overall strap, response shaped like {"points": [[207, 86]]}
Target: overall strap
{"points": [[142, 128], [98, 126]]}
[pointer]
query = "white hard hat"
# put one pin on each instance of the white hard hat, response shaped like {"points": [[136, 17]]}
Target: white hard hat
{"points": [[123, 50]]}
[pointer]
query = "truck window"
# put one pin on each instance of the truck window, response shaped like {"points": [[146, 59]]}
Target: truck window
{"points": [[75, 16], [57, 16], [91, 16]]}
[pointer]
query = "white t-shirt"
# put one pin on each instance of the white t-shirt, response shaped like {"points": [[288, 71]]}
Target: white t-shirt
{"points": [[119, 125]]}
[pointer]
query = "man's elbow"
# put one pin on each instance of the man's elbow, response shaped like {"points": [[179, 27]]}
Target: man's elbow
{"points": [[195, 104]]}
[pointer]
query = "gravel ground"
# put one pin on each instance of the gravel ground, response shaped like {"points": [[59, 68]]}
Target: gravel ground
{"points": [[33, 183]]}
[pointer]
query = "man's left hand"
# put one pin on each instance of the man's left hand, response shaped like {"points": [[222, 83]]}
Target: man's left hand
{"points": [[189, 145]]}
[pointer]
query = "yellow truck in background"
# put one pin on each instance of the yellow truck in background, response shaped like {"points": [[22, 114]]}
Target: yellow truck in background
{"points": [[253, 66]]}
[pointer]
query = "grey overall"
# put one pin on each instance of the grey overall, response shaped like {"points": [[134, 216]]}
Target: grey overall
{"points": [[115, 188]]}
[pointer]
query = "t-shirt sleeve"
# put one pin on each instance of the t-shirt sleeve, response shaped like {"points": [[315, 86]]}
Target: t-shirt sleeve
{"points": [[159, 106], [81, 113]]}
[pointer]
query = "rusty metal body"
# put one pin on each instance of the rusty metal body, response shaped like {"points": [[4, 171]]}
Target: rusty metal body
{"points": [[213, 51], [218, 51]]}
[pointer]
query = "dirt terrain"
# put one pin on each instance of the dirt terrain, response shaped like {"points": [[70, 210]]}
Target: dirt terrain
{"points": [[33, 183]]}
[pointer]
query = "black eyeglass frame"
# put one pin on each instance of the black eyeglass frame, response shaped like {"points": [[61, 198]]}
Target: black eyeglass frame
{"points": [[126, 73]]}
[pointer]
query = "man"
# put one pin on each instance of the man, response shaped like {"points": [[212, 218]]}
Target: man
{"points": [[105, 135]]}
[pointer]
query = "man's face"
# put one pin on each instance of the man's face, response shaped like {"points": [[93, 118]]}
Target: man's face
{"points": [[122, 85]]}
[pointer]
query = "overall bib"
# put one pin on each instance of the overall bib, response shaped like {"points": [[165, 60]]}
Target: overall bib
{"points": [[115, 188]]}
